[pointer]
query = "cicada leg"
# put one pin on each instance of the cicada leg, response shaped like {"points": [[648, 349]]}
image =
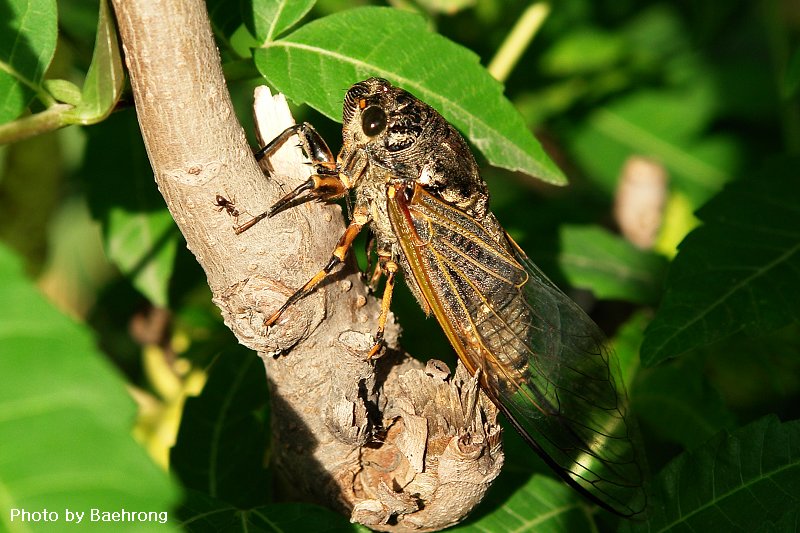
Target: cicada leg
{"points": [[312, 143], [388, 266], [338, 256], [377, 271], [324, 185]]}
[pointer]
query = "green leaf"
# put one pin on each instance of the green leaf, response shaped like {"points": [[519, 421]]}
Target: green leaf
{"points": [[273, 17], [140, 236], [223, 435], [316, 64], [735, 482], [667, 126], [739, 271], [611, 267], [203, 514], [583, 50], [105, 78], [788, 522], [446, 7], [63, 91], [27, 45], [65, 419], [679, 405], [542, 504], [755, 374], [626, 344], [791, 81]]}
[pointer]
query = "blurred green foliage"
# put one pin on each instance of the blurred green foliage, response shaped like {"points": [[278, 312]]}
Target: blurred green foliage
{"points": [[706, 331]]}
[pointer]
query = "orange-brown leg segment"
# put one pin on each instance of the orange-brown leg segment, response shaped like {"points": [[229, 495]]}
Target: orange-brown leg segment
{"points": [[339, 253], [323, 186], [390, 267], [376, 277]]}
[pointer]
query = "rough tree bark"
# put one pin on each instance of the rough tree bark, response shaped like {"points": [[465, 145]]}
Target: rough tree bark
{"points": [[441, 449]]}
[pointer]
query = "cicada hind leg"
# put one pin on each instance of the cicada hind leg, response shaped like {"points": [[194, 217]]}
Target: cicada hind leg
{"points": [[324, 185], [386, 266], [389, 267]]}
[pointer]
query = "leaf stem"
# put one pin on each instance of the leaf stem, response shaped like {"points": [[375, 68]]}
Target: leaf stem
{"points": [[518, 40], [50, 119]]}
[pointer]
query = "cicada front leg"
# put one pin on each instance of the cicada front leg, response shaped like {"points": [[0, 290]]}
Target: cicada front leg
{"points": [[324, 185]]}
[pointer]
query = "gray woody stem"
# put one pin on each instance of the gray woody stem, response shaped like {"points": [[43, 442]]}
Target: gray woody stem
{"points": [[435, 462]]}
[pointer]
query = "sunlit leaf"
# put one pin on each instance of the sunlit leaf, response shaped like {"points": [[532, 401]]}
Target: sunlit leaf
{"points": [[64, 91], [317, 64], [140, 236], [542, 504], [583, 50], [273, 17], [106, 78], [65, 418], [664, 125], [27, 45]]}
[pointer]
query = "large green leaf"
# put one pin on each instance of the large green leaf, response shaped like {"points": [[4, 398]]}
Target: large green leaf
{"points": [[611, 267], [27, 45], [739, 271], [65, 419], [542, 504], [679, 405], [140, 236], [735, 482], [317, 63], [223, 435], [202, 514]]}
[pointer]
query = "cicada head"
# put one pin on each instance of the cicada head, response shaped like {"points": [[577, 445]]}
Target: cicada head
{"points": [[384, 118], [412, 142]]}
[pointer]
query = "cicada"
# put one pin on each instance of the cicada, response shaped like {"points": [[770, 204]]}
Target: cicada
{"points": [[539, 357]]}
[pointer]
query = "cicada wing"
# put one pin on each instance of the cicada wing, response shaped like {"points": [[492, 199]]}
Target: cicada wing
{"points": [[543, 362], [574, 377]]}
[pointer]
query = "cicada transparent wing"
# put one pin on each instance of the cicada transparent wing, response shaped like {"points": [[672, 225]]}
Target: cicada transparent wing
{"points": [[543, 362]]}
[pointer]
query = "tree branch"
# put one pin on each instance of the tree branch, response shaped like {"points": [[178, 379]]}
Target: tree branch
{"points": [[440, 450]]}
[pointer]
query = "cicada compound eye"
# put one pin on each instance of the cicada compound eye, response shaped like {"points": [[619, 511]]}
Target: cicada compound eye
{"points": [[373, 121]]}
